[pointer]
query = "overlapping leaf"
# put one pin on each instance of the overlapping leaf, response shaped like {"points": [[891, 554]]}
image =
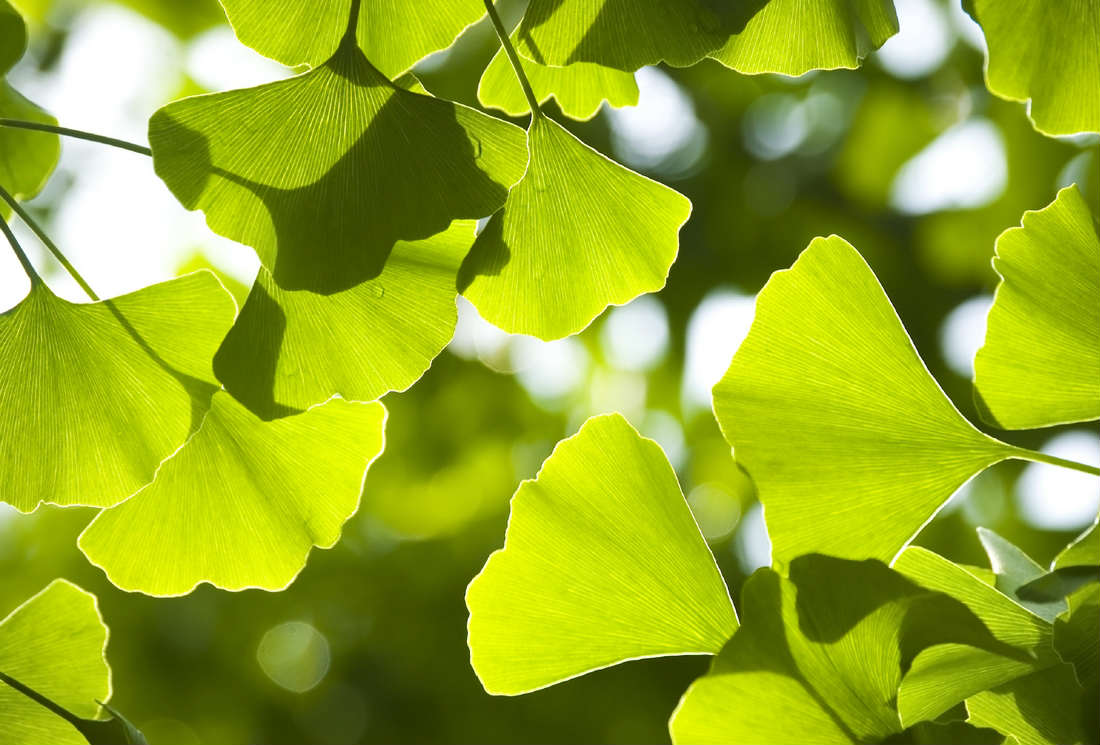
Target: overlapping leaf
{"points": [[96, 395], [394, 33], [291, 349], [324, 172], [1040, 364], [851, 443], [602, 563], [26, 158], [1048, 53], [578, 233], [243, 503]]}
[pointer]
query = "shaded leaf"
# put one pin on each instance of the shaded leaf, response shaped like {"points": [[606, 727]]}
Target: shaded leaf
{"points": [[96, 395], [1048, 53], [291, 349], [1077, 636], [602, 563], [851, 443], [1014, 569], [395, 34], [578, 233], [1040, 364], [324, 172], [243, 503], [1045, 708]]}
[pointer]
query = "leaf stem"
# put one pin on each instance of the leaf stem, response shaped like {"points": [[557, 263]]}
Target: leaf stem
{"points": [[28, 267], [1036, 456], [39, 699], [31, 223], [77, 133], [513, 58]]}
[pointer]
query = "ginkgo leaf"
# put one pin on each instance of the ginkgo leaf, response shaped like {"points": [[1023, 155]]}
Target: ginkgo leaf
{"points": [[55, 643], [395, 34], [1048, 53], [578, 233], [579, 88], [1045, 708], [26, 158], [819, 656], [243, 503], [324, 172], [1084, 551], [291, 349], [96, 395], [851, 443], [1040, 364], [793, 37], [1077, 636], [1014, 569], [602, 563]]}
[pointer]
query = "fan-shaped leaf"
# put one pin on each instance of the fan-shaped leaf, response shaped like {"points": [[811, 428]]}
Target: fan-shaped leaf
{"points": [[243, 503], [292, 349], [324, 172], [1046, 52], [834, 415], [1040, 364], [96, 395], [1044, 708], [578, 233], [394, 33], [602, 563]]}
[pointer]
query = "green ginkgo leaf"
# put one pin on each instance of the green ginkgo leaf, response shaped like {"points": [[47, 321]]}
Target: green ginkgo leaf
{"points": [[579, 88], [1084, 551], [819, 656], [1013, 570], [243, 503], [602, 563], [54, 643], [1078, 564], [1040, 364], [793, 37], [323, 173], [1077, 636], [96, 395], [26, 158], [1045, 708], [851, 443], [291, 349], [394, 33], [578, 233], [1048, 53]]}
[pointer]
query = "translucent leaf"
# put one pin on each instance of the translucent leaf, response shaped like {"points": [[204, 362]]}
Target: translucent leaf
{"points": [[28, 157], [243, 503], [1014, 569], [54, 643], [579, 88], [1077, 636], [851, 443], [602, 563], [291, 349], [1084, 551], [394, 33], [578, 233], [96, 395], [1040, 364], [1049, 53], [324, 172], [1045, 708], [819, 656]]}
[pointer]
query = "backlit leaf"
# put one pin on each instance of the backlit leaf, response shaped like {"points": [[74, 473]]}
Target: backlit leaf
{"points": [[851, 443], [1014, 569], [1045, 708], [1040, 364], [96, 395], [243, 503], [578, 233], [602, 563]]}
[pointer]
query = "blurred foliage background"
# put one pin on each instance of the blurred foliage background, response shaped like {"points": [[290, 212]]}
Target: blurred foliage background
{"points": [[910, 158]]}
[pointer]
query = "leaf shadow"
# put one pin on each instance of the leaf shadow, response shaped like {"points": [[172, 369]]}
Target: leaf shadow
{"points": [[488, 256]]}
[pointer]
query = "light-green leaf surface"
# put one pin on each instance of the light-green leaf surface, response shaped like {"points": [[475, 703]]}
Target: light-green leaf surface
{"points": [[54, 643], [323, 173], [26, 158], [578, 233], [243, 503], [1040, 363], [96, 395], [291, 349], [602, 563], [851, 443], [395, 34], [1048, 52]]}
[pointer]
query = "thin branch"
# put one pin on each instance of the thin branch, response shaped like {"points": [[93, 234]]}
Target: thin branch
{"points": [[31, 223], [28, 267], [509, 50], [77, 133], [1036, 456]]}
